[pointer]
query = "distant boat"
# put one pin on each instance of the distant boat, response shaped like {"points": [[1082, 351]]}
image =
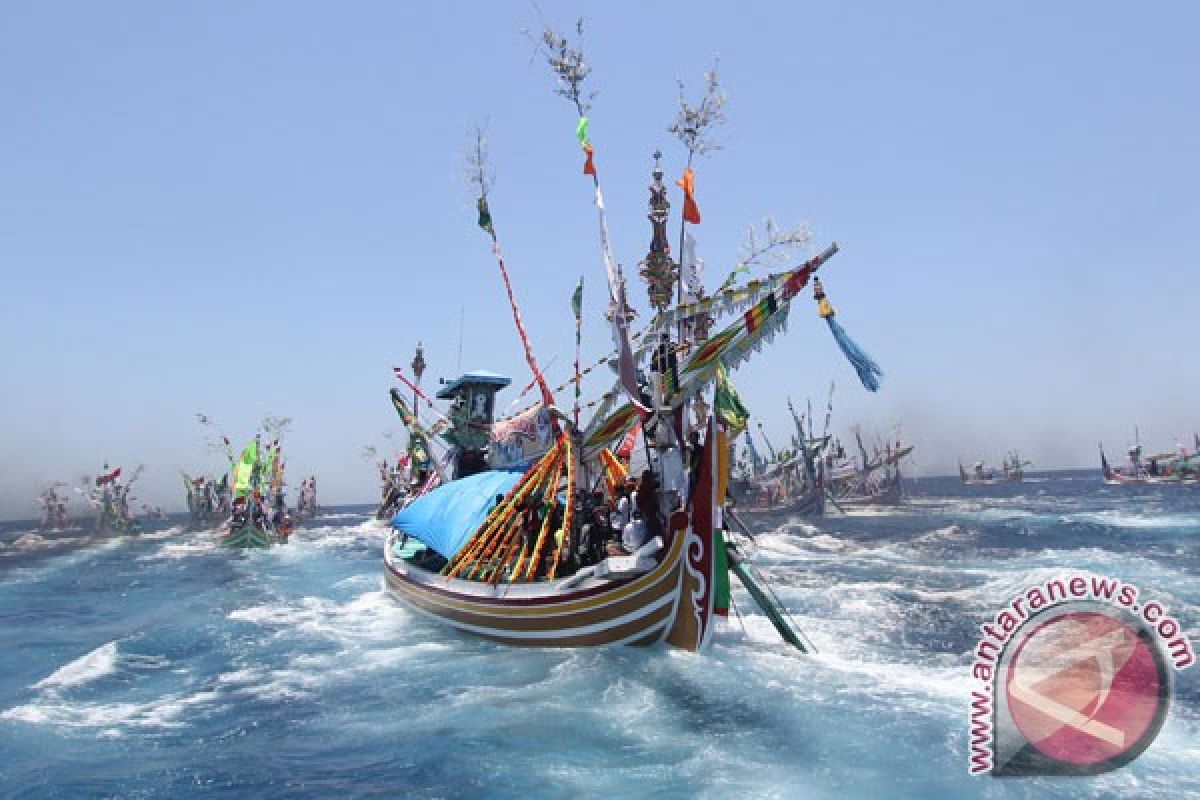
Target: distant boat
{"points": [[1180, 467], [257, 489], [878, 482], [1012, 470]]}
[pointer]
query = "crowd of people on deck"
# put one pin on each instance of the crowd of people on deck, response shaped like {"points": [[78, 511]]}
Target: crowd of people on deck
{"points": [[601, 528]]}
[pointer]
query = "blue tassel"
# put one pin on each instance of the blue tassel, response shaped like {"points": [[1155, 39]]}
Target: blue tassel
{"points": [[868, 371]]}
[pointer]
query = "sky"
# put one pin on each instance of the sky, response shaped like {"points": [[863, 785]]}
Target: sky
{"points": [[246, 209]]}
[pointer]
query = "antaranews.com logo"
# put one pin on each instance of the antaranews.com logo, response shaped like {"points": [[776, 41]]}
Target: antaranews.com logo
{"points": [[1075, 679]]}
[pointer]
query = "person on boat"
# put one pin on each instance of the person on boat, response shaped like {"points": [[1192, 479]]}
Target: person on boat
{"points": [[237, 515], [257, 514], [279, 509], [633, 537], [552, 546], [623, 512], [284, 525], [592, 525], [531, 521]]}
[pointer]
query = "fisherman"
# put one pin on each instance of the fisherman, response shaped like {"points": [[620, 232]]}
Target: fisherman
{"points": [[595, 532], [238, 516], [647, 503], [632, 537], [623, 512], [531, 521], [552, 546]]}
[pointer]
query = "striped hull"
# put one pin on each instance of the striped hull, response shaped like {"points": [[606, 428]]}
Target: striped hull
{"points": [[248, 537], [638, 611], [671, 603]]}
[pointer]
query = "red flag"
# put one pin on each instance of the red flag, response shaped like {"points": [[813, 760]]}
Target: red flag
{"points": [[626, 449], [109, 478], [589, 166], [795, 283], [691, 211]]}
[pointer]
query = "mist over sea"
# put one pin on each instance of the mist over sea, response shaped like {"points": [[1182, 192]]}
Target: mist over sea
{"points": [[161, 666]]}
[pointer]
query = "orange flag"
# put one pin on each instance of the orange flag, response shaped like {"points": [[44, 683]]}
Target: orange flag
{"points": [[691, 211]]}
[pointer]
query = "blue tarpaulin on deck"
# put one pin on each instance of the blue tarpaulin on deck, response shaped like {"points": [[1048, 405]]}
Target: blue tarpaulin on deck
{"points": [[445, 518]]}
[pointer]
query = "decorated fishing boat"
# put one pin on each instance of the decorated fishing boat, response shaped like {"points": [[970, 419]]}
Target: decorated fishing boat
{"points": [[877, 479], [54, 509], [541, 539], [786, 482], [259, 516], [111, 499], [203, 500], [421, 468], [1177, 467], [307, 506]]}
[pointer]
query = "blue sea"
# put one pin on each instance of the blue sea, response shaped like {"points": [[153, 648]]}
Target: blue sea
{"points": [[159, 666]]}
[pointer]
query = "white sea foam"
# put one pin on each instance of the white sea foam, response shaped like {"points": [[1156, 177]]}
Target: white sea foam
{"points": [[165, 533], [1126, 519], [96, 664], [163, 712], [29, 541], [371, 615], [177, 550]]}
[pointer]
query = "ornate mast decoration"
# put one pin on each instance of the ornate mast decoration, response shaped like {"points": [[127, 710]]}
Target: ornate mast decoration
{"points": [[418, 368], [658, 269]]}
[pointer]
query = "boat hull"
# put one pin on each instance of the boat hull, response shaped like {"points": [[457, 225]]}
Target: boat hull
{"points": [[810, 504], [637, 611], [890, 496], [248, 537], [673, 602]]}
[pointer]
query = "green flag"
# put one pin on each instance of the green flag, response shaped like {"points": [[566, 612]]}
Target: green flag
{"points": [[244, 468], [728, 405], [577, 300], [485, 216], [581, 130], [268, 473]]}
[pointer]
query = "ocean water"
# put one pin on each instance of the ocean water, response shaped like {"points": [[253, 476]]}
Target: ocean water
{"points": [[160, 666]]}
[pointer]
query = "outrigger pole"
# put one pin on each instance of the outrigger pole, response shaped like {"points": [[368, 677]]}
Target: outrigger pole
{"points": [[763, 596]]}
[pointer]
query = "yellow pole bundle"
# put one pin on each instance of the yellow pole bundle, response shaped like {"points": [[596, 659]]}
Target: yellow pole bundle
{"points": [[526, 566], [568, 511], [500, 515]]}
